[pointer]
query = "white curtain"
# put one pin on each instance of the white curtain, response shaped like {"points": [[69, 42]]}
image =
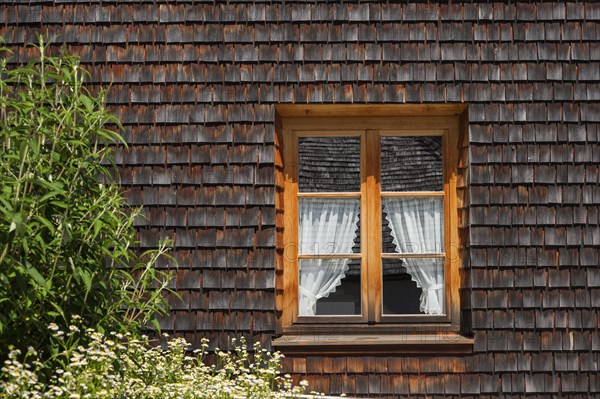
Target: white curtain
{"points": [[417, 227], [327, 226]]}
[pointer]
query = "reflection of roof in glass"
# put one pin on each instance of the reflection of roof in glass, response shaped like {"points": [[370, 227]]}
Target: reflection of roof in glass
{"points": [[328, 164], [333, 163], [411, 164]]}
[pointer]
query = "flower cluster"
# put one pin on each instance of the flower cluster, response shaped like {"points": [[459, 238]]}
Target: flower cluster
{"points": [[118, 366]]}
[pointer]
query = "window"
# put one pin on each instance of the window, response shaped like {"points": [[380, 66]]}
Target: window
{"points": [[369, 233]]}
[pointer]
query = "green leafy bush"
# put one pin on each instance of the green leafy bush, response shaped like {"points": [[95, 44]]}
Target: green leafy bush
{"points": [[116, 366], [66, 236]]}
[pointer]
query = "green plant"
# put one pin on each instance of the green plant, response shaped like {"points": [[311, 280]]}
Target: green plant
{"points": [[116, 366], [66, 234]]}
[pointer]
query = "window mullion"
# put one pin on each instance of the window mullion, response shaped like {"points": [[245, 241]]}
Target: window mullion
{"points": [[373, 216]]}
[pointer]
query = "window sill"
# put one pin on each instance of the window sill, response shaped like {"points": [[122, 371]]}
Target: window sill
{"points": [[384, 343]]}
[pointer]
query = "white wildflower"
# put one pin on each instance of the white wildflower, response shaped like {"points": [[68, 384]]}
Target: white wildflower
{"points": [[92, 372]]}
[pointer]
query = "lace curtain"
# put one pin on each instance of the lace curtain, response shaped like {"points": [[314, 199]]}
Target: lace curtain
{"points": [[327, 226], [417, 227]]}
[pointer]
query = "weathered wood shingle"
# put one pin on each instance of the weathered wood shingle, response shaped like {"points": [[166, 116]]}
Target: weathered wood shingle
{"points": [[194, 85]]}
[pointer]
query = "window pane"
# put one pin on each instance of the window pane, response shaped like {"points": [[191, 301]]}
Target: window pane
{"points": [[411, 163], [328, 164], [328, 225], [413, 286], [413, 225], [329, 287]]}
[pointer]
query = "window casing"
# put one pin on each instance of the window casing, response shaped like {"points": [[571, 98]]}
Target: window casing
{"points": [[367, 125]]}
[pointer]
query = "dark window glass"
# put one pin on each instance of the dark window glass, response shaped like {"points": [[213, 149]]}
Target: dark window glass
{"points": [[413, 286], [411, 163], [328, 164], [329, 287]]}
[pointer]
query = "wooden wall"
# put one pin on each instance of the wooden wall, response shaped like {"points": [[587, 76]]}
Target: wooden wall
{"points": [[195, 83]]}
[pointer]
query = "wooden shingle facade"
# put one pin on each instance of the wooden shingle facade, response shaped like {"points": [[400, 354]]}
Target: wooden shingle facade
{"points": [[195, 84]]}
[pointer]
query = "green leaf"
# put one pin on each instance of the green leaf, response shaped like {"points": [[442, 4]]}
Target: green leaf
{"points": [[38, 278], [51, 194], [48, 224], [53, 313], [53, 186], [15, 223], [59, 309], [155, 324], [6, 207], [87, 280], [35, 146], [98, 225], [60, 204], [22, 150], [89, 106]]}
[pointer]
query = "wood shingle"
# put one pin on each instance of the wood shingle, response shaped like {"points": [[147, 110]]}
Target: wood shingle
{"points": [[195, 85]]}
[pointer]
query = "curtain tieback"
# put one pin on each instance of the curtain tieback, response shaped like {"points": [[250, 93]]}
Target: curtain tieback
{"points": [[433, 287], [308, 294]]}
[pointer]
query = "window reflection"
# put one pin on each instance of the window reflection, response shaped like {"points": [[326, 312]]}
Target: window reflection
{"points": [[411, 163], [328, 164]]}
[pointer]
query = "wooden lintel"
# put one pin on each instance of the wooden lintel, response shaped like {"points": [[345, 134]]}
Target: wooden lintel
{"points": [[377, 110]]}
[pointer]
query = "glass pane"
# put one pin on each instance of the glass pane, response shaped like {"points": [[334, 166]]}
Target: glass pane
{"points": [[413, 225], [328, 164], [329, 287], [413, 286], [328, 226], [411, 163]]}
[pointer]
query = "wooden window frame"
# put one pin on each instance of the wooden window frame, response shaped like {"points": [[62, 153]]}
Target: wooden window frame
{"points": [[369, 122]]}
